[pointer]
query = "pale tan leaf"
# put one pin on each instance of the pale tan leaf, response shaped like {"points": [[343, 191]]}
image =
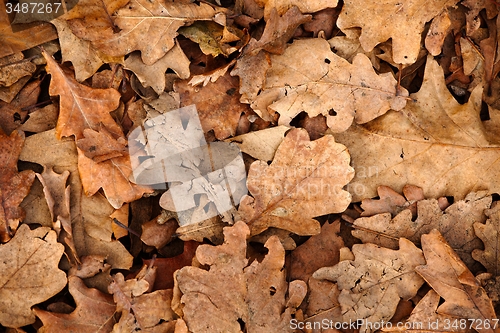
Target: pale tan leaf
{"points": [[307, 6], [374, 282], [29, 274], [438, 30], [488, 233], [452, 280], [381, 21], [304, 180]]}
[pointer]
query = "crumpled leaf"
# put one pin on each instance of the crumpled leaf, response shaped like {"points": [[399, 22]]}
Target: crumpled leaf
{"points": [[381, 21], [438, 30], [159, 20], [404, 145], [14, 185], [94, 312], [455, 224], [306, 6], [452, 280], [309, 77], [374, 282], [29, 274], [13, 68], [81, 106], [154, 75], [488, 233], [12, 114], [304, 180], [231, 292]]}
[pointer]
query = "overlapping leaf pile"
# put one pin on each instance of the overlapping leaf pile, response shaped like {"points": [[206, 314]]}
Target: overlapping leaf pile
{"points": [[340, 168]]}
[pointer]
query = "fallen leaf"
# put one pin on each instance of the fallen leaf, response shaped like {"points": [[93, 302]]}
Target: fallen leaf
{"points": [[94, 312], [379, 22], [13, 68], [405, 145], [318, 251], [211, 76], [455, 224], [488, 234], [157, 20], [81, 106], [309, 77], [90, 219], [12, 114], [392, 202], [278, 30], [29, 274], [252, 71], [452, 280], [307, 6], [14, 185], [230, 293], [41, 120], [304, 180], [217, 103], [154, 75], [101, 146], [438, 30], [261, 144], [372, 284]]}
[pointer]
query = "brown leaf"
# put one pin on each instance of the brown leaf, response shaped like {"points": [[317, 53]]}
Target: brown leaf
{"points": [[41, 120], [14, 185], [278, 30], [379, 22], [217, 103], [452, 280], [212, 38], [29, 274], [488, 233], [373, 283], [81, 106], [157, 20], [252, 72], [438, 30], [94, 312], [455, 223], [318, 251], [90, 219], [261, 144], [154, 75], [101, 146], [307, 6], [12, 114], [309, 77], [392, 202], [434, 143], [13, 68], [229, 292], [304, 180]]}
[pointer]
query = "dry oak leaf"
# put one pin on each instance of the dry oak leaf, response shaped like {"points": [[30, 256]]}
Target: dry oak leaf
{"points": [[374, 282], [29, 274], [489, 234], [403, 21], [94, 312], [309, 77], [159, 20], [12, 114], [14, 185], [81, 106], [453, 281], [434, 143], [218, 104], [392, 202], [456, 224], [13, 68], [304, 180], [306, 6], [219, 299], [90, 221]]}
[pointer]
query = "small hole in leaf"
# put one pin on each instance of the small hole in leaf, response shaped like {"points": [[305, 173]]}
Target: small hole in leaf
{"points": [[272, 290], [242, 324], [332, 112], [327, 60]]}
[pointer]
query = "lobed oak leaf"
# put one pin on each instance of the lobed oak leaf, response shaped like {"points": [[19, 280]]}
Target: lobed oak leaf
{"points": [[488, 233], [453, 281], [229, 293], [379, 22], [434, 143], [29, 274], [159, 20], [392, 202], [14, 185], [372, 284], [94, 312], [154, 75], [457, 224], [304, 180], [309, 77], [81, 106]]}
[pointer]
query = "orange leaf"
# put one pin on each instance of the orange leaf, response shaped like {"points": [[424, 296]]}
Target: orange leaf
{"points": [[81, 106]]}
